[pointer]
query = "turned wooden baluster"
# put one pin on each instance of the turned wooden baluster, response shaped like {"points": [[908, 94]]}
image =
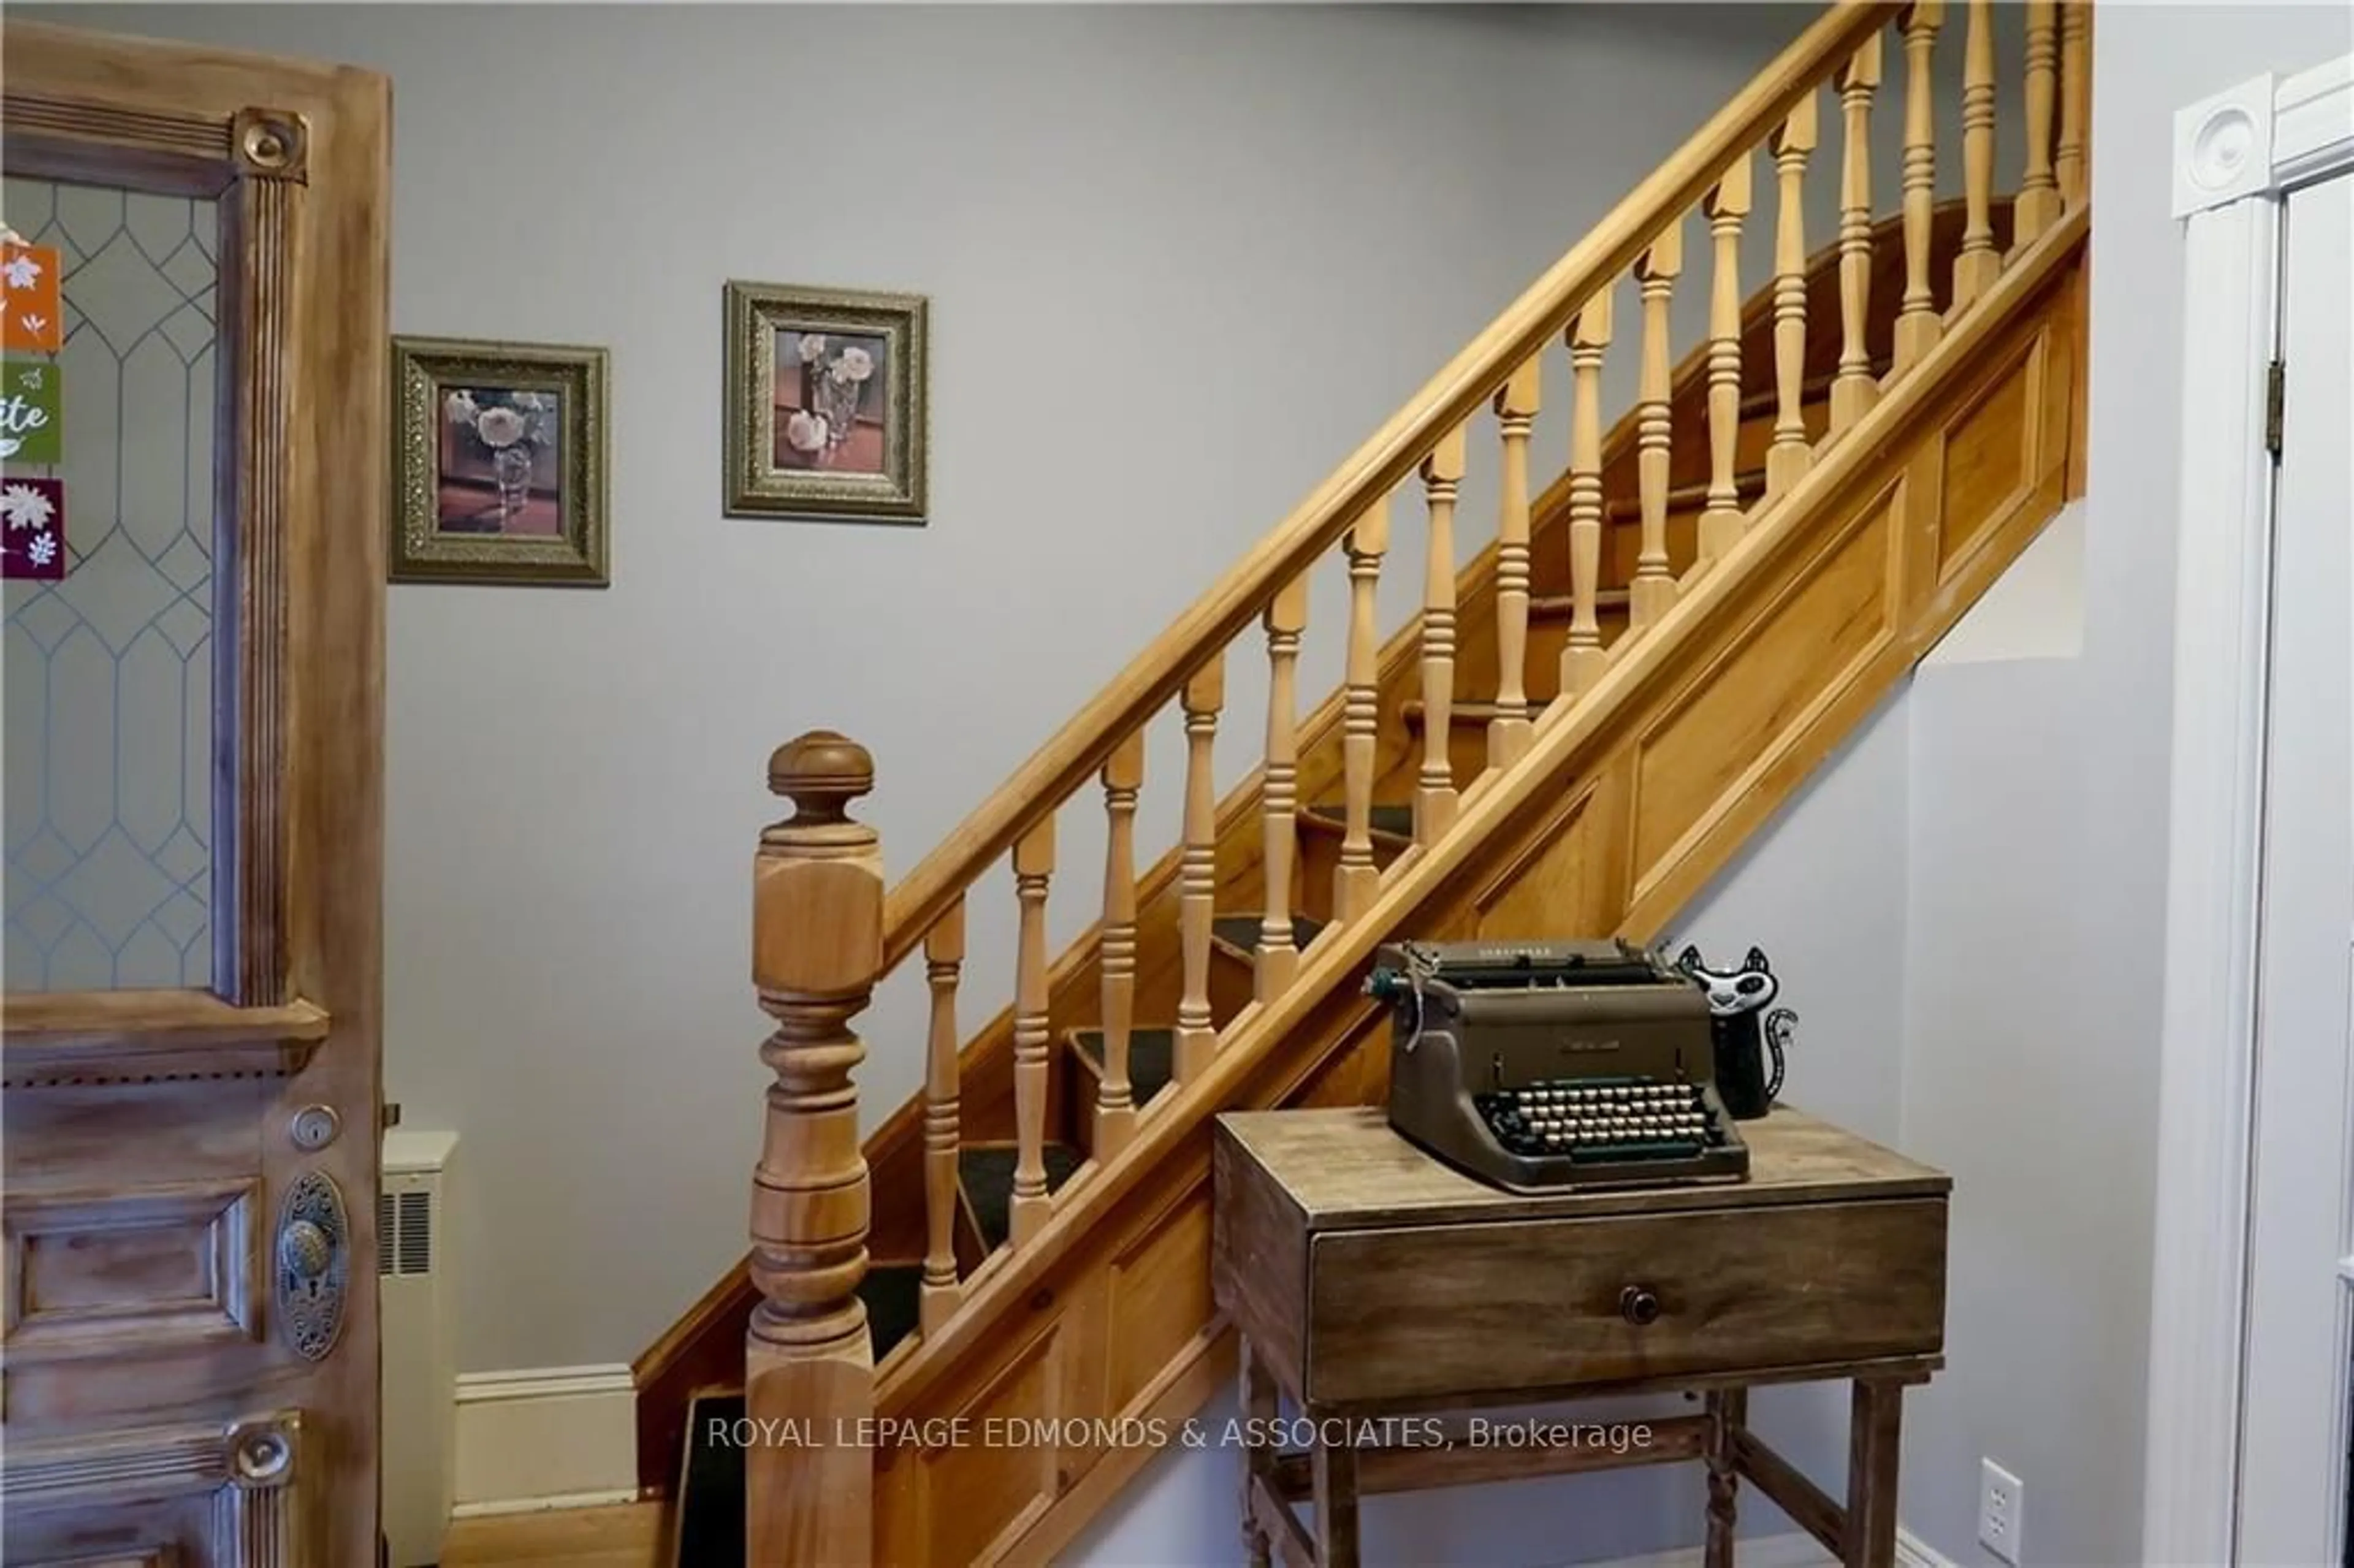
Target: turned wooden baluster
{"points": [[1583, 657], [943, 962], [2038, 206], [1980, 264], [1789, 457], [1123, 775], [1034, 864], [1854, 389], [1357, 880], [1652, 593], [2076, 101], [1434, 795], [1918, 326], [1196, 1039], [1721, 521], [1510, 731], [817, 948], [1278, 957]]}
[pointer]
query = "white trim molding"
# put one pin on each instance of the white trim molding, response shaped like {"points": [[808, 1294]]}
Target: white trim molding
{"points": [[545, 1437], [2313, 124], [2223, 147], [1791, 1549], [1912, 1551], [2236, 155]]}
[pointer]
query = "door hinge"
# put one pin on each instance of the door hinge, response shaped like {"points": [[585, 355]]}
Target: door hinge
{"points": [[2275, 393]]}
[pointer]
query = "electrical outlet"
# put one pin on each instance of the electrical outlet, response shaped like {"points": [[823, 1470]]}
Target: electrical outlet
{"points": [[2002, 1499]]}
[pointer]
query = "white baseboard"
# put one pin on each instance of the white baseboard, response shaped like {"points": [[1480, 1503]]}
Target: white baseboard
{"points": [[1794, 1549], [546, 1437], [1912, 1551]]}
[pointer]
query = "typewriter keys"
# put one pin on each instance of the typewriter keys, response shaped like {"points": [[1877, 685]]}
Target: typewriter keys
{"points": [[1587, 1119]]}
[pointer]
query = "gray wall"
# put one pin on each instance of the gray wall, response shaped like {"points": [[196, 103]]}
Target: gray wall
{"points": [[1243, 236], [2035, 918]]}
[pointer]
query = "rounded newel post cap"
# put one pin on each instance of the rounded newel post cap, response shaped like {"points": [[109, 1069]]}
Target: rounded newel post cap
{"points": [[821, 772]]}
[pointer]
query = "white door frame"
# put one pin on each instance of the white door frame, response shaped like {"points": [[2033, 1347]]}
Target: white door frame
{"points": [[2237, 155]]}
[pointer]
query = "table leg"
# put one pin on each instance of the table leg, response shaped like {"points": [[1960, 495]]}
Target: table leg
{"points": [[1258, 1410], [1728, 1410], [1333, 1467], [1873, 1429]]}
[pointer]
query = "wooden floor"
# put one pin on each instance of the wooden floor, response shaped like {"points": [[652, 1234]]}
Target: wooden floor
{"points": [[629, 1536]]}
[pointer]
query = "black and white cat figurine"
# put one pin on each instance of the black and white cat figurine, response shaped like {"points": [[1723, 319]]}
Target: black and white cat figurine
{"points": [[1744, 1031]]}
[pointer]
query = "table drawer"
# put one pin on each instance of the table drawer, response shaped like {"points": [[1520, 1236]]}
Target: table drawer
{"points": [[1458, 1309]]}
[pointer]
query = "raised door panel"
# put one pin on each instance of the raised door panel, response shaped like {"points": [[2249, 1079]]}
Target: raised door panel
{"points": [[196, 1496], [137, 1242], [102, 1273]]}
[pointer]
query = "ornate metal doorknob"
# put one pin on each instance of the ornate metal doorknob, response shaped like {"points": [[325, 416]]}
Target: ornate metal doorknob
{"points": [[304, 1251]]}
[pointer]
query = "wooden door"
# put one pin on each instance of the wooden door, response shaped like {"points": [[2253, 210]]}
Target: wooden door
{"points": [[189, 1360]]}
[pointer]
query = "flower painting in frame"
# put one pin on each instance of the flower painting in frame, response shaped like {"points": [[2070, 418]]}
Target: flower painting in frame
{"points": [[499, 467], [825, 404]]}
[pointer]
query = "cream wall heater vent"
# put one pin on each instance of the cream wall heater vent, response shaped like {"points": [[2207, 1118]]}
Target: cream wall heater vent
{"points": [[418, 1298]]}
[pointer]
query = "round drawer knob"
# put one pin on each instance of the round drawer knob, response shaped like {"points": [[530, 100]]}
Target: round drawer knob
{"points": [[1639, 1305]]}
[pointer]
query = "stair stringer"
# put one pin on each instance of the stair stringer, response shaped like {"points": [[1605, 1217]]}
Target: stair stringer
{"points": [[1628, 802]]}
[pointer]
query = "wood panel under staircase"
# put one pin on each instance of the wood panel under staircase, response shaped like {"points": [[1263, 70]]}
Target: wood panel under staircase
{"points": [[1579, 728]]}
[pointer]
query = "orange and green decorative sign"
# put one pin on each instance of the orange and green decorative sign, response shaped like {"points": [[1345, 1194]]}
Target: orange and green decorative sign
{"points": [[32, 418]]}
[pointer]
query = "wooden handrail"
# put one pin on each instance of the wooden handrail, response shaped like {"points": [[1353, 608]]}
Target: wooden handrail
{"points": [[1078, 749]]}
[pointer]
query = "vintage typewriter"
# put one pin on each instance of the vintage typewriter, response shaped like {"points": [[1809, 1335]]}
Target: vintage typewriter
{"points": [[1544, 1065]]}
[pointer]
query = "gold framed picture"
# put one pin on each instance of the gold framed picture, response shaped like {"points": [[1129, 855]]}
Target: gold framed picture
{"points": [[825, 404], [499, 469]]}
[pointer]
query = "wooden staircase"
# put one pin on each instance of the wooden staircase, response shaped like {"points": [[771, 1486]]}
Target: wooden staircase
{"points": [[1576, 731]]}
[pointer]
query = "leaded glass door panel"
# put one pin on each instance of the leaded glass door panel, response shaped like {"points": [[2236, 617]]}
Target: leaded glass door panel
{"points": [[112, 742]]}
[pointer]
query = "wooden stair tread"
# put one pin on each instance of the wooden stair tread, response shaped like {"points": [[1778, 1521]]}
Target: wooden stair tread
{"points": [[1560, 606], [1462, 713], [1238, 934], [1385, 821], [1748, 484], [1151, 1060], [986, 1171]]}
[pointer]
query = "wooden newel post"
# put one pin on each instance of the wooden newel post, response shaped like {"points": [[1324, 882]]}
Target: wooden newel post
{"points": [[817, 948]]}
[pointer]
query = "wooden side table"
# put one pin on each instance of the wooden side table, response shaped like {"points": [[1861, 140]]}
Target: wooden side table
{"points": [[1380, 1291]]}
